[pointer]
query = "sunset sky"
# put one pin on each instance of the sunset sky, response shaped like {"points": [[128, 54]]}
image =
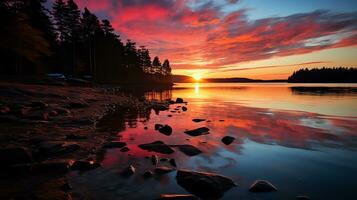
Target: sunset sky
{"points": [[238, 38]]}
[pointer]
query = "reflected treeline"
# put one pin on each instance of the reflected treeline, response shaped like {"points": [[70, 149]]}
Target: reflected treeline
{"points": [[340, 91], [122, 116]]}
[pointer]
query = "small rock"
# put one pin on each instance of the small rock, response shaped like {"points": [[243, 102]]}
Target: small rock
{"points": [[169, 115], [157, 146], [178, 197], [110, 145], [187, 149], [164, 170], [124, 149], [184, 108], [130, 170], [76, 137], [179, 100], [158, 126], [166, 130], [198, 120], [145, 128], [204, 185], [14, 155], [154, 159], [84, 165], [227, 140], [262, 186], [198, 131], [148, 174], [173, 162]]}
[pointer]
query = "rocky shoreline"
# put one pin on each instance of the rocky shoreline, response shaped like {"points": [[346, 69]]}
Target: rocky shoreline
{"points": [[46, 131]]}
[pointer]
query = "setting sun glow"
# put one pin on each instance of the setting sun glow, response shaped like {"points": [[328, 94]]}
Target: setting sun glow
{"points": [[197, 77]]}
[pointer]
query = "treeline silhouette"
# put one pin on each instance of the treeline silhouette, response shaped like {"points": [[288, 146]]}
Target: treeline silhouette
{"points": [[37, 41], [324, 75]]}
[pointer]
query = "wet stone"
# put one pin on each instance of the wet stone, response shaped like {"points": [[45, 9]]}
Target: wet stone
{"points": [[158, 126], [148, 174], [227, 140], [198, 131], [163, 170], [179, 100], [184, 108], [204, 185], [157, 146], [124, 149], [166, 130], [178, 197], [130, 170], [198, 120], [262, 186]]}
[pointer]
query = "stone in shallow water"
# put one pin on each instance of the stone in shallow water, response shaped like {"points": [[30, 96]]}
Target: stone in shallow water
{"points": [[163, 170], [198, 131], [110, 145], [154, 159], [262, 186], [179, 100], [178, 197], [184, 108], [14, 155], [204, 185], [84, 165], [187, 149], [173, 162], [157, 146], [198, 120], [148, 174], [166, 130], [130, 170], [227, 140], [158, 126]]}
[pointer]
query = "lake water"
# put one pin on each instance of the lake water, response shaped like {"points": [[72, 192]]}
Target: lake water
{"points": [[300, 137]]}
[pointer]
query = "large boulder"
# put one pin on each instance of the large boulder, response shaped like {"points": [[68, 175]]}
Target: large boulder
{"points": [[204, 185], [157, 146], [14, 155], [262, 186], [198, 131]]}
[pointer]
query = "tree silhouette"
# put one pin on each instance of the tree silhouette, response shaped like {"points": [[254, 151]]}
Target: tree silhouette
{"points": [[324, 75]]}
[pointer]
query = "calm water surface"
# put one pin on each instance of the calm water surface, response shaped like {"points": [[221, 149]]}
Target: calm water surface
{"points": [[302, 138]]}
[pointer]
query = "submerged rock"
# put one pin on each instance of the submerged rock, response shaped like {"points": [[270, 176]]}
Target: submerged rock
{"points": [[130, 170], [158, 126], [178, 197], [164, 170], [173, 162], [148, 174], [166, 130], [154, 159], [204, 185], [14, 155], [124, 149], [179, 100], [227, 140], [157, 146], [188, 149], [198, 131], [115, 144], [262, 186], [198, 120]]}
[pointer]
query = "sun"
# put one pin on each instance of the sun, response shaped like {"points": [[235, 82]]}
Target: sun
{"points": [[197, 77]]}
